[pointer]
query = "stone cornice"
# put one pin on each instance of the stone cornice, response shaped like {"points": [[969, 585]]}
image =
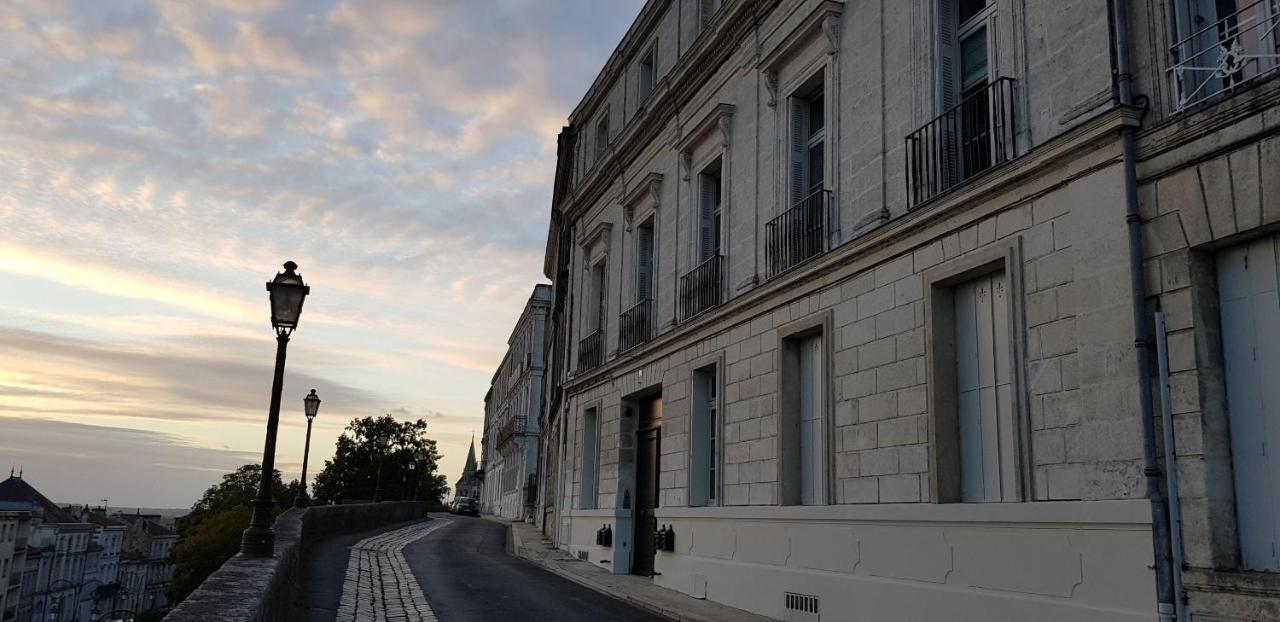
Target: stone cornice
{"points": [[720, 118], [824, 18], [597, 233], [649, 187], [616, 67]]}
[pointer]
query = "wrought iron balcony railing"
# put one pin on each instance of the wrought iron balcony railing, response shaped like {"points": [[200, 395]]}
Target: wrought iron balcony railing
{"points": [[1225, 54], [635, 325], [591, 351], [517, 425], [799, 234], [702, 288], [973, 136]]}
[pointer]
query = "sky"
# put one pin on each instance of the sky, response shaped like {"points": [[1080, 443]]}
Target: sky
{"points": [[160, 160]]}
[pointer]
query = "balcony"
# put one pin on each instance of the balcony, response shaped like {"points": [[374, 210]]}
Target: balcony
{"points": [[1225, 54], [635, 325], [799, 234], [973, 136], [591, 351], [517, 425], [703, 288]]}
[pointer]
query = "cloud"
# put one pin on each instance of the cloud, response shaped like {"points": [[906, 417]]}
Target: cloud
{"points": [[159, 160]]}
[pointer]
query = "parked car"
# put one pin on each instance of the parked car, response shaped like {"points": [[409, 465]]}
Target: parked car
{"points": [[464, 505]]}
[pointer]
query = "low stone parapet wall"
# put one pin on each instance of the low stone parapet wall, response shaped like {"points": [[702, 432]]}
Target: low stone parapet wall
{"points": [[249, 589]]}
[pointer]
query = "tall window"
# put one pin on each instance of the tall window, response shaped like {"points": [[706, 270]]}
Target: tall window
{"points": [[644, 261], [704, 438], [602, 134], [648, 73], [707, 10], [987, 435], [808, 141], [1222, 44], [710, 209], [588, 491], [600, 294], [804, 446], [966, 28]]}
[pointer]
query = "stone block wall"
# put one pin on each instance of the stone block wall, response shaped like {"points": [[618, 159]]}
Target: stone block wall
{"points": [[247, 589]]}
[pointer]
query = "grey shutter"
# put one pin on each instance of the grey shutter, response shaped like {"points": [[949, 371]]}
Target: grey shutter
{"points": [[799, 145], [708, 8], [644, 264], [948, 55], [1247, 288], [987, 438], [706, 216], [812, 448]]}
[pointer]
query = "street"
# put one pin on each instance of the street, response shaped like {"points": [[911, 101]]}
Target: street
{"points": [[454, 568]]}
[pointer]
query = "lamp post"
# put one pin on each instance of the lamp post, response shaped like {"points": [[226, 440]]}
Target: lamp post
{"points": [[413, 470], [382, 441], [287, 294], [311, 406]]}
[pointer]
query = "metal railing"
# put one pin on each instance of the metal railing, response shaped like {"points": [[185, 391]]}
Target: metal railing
{"points": [[971, 137], [591, 351], [1225, 54], [517, 425], [799, 234], [702, 288], [635, 325]]}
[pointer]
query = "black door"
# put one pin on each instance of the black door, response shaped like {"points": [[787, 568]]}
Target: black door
{"points": [[648, 449]]}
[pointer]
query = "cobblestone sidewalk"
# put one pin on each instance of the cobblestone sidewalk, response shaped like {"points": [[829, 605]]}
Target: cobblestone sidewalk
{"points": [[379, 586]]}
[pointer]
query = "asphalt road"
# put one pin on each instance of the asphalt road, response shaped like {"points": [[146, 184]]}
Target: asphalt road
{"points": [[467, 575]]}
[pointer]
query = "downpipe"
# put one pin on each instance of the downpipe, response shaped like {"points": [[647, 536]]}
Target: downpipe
{"points": [[1167, 601]]}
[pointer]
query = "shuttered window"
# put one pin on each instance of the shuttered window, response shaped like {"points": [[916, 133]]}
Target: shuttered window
{"points": [[984, 385], [811, 387], [710, 200], [808, 142], [589, 459], [648, 73], [707, 10], [1247, 290], [644, 261], [599, 290], [704, 454]]}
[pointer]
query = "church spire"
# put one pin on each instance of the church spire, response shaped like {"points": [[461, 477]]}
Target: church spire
{"points": [[470, 467]]}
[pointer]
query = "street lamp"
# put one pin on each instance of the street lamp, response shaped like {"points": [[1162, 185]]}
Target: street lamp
{"points": [[382, 440], [310, 406], [287, 293]]}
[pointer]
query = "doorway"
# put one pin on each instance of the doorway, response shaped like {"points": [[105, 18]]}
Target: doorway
{"points": [[648, 454]]}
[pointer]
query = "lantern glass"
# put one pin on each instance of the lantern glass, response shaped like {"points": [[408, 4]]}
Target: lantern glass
{"points": [[311, 404], [287, 294]]}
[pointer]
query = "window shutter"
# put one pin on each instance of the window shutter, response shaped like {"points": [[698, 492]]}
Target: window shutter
{"points": [[708, 9], [644, 264], [948, 54], [799, 134], [706, 211]]}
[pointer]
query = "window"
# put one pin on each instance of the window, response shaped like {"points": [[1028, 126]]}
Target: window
{"points": [[803, 422], [644, 261], [602, 134], [1223, 44], [808, 141], [600, 294], [648, 73], [966, 30], [976, 431], [590, 458], [710, 210], [707, 10], [704, 455]]}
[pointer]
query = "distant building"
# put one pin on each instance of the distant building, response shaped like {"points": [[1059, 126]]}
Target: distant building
{"points": [[470, 484], [53, 575], [15, 529], [511, 414], [146, 569]]}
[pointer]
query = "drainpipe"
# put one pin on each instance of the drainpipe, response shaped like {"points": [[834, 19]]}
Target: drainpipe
{"points": [[1166, 599]]}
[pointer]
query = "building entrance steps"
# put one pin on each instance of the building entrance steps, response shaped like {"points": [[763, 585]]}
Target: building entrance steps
{"points": [[525, 541]]}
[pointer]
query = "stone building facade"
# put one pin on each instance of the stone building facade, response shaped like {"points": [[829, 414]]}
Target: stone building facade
{"points": [[510, 441], [15, 532], [854, 307]]}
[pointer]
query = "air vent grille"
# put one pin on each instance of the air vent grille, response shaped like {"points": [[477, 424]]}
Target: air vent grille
{"points": [[800, 607]]}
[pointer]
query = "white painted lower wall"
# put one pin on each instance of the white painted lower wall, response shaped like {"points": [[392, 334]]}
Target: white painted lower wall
{"points": [[1043, 562]]}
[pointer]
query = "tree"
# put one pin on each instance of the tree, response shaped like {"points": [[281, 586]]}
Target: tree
{"points": [[210, 534], [370, 443]]}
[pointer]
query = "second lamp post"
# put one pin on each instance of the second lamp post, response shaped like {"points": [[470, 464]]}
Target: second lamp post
{"points": [[311, 406]]}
